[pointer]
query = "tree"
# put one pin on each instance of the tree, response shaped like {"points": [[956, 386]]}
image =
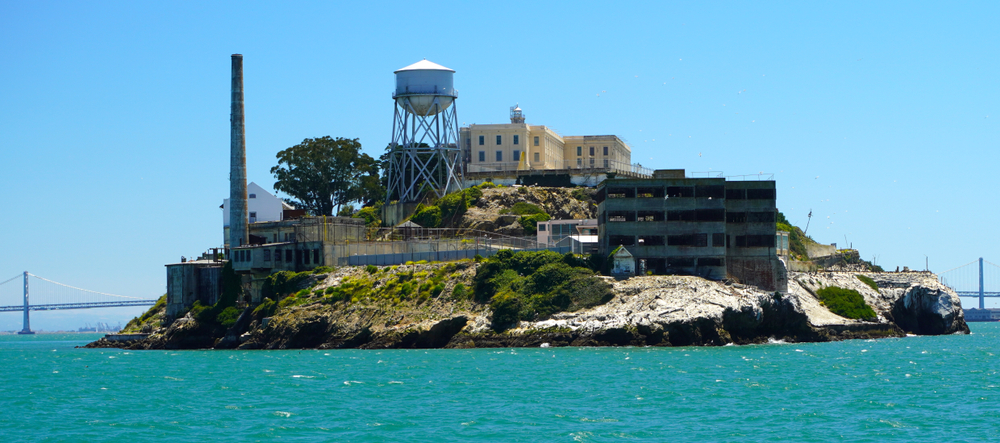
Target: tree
{"points": [[325, 173]]}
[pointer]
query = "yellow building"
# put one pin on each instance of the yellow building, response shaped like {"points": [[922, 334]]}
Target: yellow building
{"points": [[497, 150]]}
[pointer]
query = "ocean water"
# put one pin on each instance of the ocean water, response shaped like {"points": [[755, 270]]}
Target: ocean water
{"points": [[907, 389]]}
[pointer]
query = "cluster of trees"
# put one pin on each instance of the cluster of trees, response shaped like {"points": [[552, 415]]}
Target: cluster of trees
{"points": [[324, 175]]}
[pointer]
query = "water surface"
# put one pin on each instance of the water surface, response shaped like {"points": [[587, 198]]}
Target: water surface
{"points": [[906, 389]]}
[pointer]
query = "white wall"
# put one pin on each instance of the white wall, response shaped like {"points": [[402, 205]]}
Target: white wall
{"points": [[266, 206]]}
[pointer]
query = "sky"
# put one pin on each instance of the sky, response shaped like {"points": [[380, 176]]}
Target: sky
{"points": [[881, 118]]}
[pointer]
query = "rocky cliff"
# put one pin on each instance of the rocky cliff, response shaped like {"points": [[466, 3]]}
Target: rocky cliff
{"points": [[491, 211], [367, 308]]}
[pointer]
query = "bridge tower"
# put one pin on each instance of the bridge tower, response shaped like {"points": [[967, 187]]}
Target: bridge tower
{"points": [[982, 296], [27, 322]]}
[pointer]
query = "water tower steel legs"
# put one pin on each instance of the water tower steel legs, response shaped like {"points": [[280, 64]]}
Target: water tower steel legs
{"points": [[982, 299], [424, 153], [27, 321]]}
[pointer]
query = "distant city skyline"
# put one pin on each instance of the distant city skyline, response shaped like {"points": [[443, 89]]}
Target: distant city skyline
{"points": [[880, 119]]}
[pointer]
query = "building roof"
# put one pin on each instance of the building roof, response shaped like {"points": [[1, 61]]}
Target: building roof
{"points": [[424, 65]]}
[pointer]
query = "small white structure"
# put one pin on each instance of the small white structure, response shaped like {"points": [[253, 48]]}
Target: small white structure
{"points": [[624, 262], [262, 206]]}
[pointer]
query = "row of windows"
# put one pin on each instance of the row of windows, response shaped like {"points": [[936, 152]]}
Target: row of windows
{"points": [[299, 256], [707, 191], [579, 150], [750, 217], [517, 156], [517, 140], [702, 215], [694, 240]]}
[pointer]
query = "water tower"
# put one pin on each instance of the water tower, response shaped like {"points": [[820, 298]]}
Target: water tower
{"points": [[424, 150]]}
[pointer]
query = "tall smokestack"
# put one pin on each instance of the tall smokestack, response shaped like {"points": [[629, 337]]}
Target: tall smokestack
{"points": [[238, 235]]}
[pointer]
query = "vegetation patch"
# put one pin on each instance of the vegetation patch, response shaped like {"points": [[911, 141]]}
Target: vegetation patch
{"points": [[868, 281], [137, 323], [532, 285], [846, 303]]}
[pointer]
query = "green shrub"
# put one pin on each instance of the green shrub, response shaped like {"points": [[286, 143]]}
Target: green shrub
{"points": [[437, 289], [582, 194], [427, 216], [371, 215], [846, 303], [282, 283], [486, 185], [265, 309], [506, 308], [322, 270], [453, 206], [525, 208], [530, 223], [868, 281], [542, 282], [227, 318], [459, 292], [371, 269]]}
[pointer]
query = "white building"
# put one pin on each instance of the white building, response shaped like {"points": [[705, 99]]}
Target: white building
{"points": [[262, 206]]}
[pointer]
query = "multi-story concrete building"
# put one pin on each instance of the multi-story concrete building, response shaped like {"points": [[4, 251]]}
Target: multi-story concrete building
{"points": [[708, 227], [515, 149]]}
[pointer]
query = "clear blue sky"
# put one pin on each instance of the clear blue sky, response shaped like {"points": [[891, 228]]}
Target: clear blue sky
{"points": [[881, 117]]}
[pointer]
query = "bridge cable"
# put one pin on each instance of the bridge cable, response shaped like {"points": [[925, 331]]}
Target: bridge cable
{"points": [[84, 290], [11, 279], [957, 267]]}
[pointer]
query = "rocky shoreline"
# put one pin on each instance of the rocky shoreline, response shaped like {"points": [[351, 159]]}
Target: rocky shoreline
{"points": [[645, 311]]}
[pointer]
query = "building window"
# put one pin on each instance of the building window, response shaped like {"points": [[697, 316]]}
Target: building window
{"points": [[277, 255], [482, 156], [249, 255], [498, 139], [536, 157], [516, 139], [252, 196], [517, 155], [482, 140], [536, 140], [591, 151], [499, 156], [316, 256], [605, 150], [253, 217], [579, 151], [267, 255], [288, 255], [579, 162], [542, 226], [605, 163]]}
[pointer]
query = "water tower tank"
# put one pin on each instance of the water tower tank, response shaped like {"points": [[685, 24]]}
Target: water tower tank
{"points": [[422, 83]]}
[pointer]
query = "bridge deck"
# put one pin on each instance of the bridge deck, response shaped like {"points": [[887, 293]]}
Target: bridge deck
{"points": [[59, 306]]}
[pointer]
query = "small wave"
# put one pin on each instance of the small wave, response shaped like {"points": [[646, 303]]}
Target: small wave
{"points": [[772, 341], [303, 376], [353, 382], [544, 345], [395, 382], [799, 350], [281, 414], [173, 378]]}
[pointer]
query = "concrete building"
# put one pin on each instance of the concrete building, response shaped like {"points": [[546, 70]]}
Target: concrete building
{"points": [[708, 227], [262, 207], [580, 235], [193, 280], [504, 152]]}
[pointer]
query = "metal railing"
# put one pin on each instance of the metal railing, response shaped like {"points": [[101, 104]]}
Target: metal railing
{"points": [[585, 165]]}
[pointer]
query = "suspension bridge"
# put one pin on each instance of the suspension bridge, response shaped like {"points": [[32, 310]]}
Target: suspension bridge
{"points": [[977, 278], [48, 295]]}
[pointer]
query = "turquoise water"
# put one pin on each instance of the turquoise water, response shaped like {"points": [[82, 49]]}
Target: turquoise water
{"points": [[909, 389]]}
